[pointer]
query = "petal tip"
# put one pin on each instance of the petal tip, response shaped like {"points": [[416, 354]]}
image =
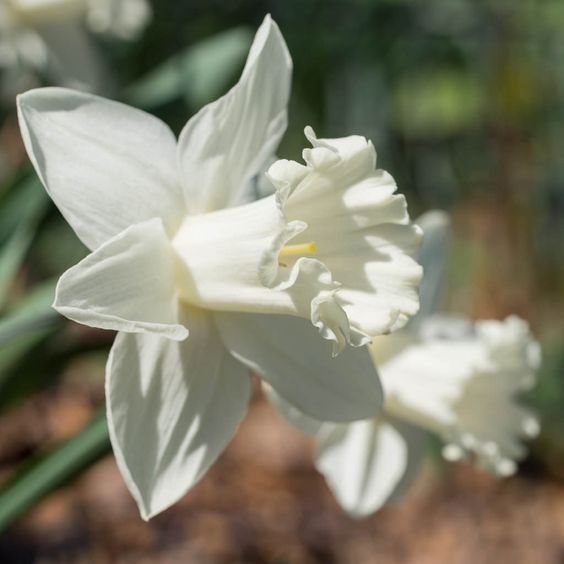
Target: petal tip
{"points": [[310, 134], [179, 333]]}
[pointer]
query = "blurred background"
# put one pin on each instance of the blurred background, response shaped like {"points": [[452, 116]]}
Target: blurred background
{"points": [[464, 101]]}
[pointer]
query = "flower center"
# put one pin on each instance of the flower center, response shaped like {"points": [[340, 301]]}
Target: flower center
{"points": [[300, 249]]}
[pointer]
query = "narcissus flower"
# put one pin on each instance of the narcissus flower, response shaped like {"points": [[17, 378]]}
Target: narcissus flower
{"points": [[448, 376], [48, 38], [124, 19], [195, 283]]}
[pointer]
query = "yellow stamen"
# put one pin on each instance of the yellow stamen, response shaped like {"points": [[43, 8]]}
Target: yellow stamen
{"points": [[302, 249]]}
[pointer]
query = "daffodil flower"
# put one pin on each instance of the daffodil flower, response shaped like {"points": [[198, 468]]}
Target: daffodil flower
{"points": [[124, 19], [443, 375], [200, 288], [48, 38]]}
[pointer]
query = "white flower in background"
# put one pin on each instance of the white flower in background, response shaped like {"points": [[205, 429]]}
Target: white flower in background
{"points": [[124, 19], [465, 389], [192, 281], [48, 38], [448, 376]]}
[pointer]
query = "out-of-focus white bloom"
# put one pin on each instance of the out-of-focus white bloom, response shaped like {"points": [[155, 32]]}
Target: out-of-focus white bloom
{"points": [[21, 52], [174, 256], [48, 38], [448, 376], [465, 390], [34, 12], [124, 19]]}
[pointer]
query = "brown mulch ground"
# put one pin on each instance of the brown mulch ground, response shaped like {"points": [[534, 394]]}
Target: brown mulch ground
{"points": [[263, 502]]}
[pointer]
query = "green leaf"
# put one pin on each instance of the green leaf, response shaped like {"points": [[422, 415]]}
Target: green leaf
{"points": [[20, 213], [43, 475], [199, 74], [33, 313], [26, 325]]}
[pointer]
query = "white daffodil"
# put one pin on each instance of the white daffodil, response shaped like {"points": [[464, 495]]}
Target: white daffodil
{"points": [[124, 19], [448, 376], [192, 281], [48, 38]]}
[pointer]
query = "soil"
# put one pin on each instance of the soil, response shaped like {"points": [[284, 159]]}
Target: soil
{"points": [[264, 502]]}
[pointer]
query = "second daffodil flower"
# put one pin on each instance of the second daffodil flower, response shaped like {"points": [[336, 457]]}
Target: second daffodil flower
{"points": [[448, 376], [48, 39], [200, 288]]}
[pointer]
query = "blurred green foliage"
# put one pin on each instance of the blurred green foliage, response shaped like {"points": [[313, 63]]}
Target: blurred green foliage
{"points": [[197, 74], [464, 101], [45, 472]]}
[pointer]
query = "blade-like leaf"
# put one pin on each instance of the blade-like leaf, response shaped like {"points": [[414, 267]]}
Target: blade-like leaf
{"points": [[33, 314], [43, 475], [25, 326], [20, 213], [199, 74]]}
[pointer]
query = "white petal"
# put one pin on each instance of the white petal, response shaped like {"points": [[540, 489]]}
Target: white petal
{"points": [[291, 413], [172, 409], [366, 463], [127, 284], [105, 165], [424, 381], [432, 256], [228, 142], [288, 353]]}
